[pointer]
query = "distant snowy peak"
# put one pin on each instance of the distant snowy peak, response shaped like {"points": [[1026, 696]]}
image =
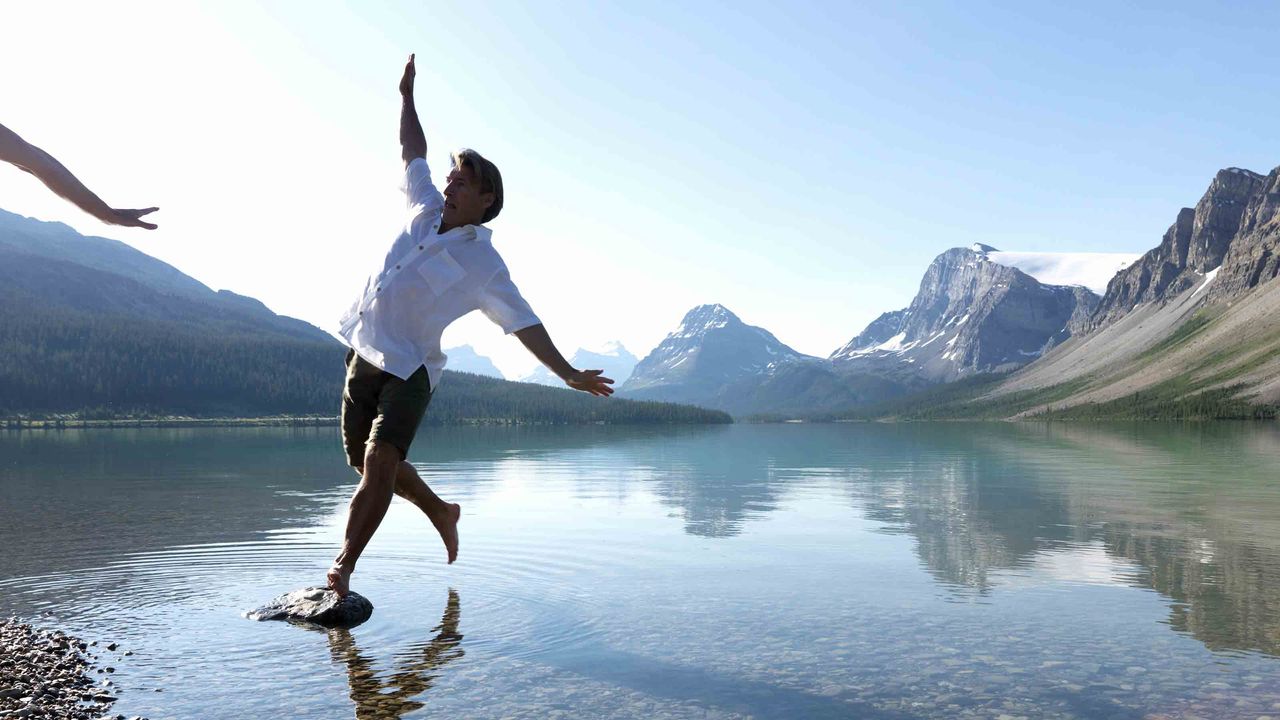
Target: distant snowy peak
{"points": [[704, 318], [464, 358], [713, 346], [1090, 270], [614, 359], [613, 348]]}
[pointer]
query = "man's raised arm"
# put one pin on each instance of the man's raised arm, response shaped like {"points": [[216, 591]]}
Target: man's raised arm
{"points": [[413, 142]]}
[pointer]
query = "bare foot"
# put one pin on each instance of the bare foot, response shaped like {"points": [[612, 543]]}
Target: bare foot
{"points": [[447, 525], [339, 580]]}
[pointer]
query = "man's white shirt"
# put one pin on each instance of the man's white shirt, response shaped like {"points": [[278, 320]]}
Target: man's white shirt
{"points": [[427, 281]]}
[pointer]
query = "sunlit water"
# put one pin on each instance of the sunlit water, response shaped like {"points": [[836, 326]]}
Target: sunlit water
{"points": [[829, 571]]}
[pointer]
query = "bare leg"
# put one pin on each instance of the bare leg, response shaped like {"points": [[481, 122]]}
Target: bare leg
{"points": [[443, 515], [368, 507]]}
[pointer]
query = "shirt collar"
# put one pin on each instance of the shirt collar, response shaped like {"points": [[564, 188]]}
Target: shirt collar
{"points": [[479, 232]]}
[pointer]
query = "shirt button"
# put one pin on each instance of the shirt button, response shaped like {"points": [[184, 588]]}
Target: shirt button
{"points": [[397, 267], [421, 248]]}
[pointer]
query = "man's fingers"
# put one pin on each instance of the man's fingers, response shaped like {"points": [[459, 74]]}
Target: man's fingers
{"points": [[135, 222], [130, 218]]}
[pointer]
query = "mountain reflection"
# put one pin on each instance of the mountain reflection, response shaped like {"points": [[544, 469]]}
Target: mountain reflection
{"points": [[1190, 511], [991, 504], [416, 671], [721, 478]]}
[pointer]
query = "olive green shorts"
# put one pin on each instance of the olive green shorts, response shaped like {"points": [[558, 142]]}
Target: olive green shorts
{"points": [[377, 405]]}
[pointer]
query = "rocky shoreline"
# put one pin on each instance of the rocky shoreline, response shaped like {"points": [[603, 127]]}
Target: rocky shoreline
{"points": [[49, 674]]}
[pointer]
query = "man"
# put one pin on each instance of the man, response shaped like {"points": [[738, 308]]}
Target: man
{"points": [[441, 267], [28, 157]]}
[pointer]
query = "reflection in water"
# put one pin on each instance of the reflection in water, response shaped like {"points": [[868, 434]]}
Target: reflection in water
{"points": [[416, 670], [1187, 511], [617, 610]]}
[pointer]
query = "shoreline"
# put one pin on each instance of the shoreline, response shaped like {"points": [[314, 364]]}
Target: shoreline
{"points": [[48, 673], [81, 424], [20, 424]]}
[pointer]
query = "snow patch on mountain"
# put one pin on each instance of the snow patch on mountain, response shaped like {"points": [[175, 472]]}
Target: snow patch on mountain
{"points": [[1208, 278], [1090, 270]]}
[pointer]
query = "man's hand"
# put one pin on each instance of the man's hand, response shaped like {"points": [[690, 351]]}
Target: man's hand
{"points": [[55, 175], [406, 82], [128, 218], [590, 381]]}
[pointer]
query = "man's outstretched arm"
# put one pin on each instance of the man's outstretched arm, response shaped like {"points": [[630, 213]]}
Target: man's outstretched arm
{"points": [[28, 157], [538, 342], [413, 142]]}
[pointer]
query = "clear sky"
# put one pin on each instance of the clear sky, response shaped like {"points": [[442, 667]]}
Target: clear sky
{"points": [[799, 163]]}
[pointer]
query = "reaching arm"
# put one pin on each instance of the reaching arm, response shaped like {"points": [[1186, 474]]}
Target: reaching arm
{"points": [[28, 157], [538, 342], [413, 142]]}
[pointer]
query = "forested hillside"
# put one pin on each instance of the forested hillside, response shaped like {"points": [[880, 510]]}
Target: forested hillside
{"points": [[93, 329]]}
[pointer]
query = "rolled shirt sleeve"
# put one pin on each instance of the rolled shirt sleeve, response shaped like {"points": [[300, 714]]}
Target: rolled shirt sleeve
{"points": [[502, 303], [417, 186]]}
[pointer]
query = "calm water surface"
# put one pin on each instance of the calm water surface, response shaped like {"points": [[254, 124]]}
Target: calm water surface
{"points": [[838, 571]]}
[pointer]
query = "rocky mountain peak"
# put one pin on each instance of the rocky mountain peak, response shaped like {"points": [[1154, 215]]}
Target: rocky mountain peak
{"points": [[1254, 255], [970, 315], [1196, 244]]}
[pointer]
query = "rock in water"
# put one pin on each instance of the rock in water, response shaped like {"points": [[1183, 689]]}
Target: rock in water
{"points": [[317, 605]]}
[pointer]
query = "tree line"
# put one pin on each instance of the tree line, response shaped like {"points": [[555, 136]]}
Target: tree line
{"points": [[59, 361]]}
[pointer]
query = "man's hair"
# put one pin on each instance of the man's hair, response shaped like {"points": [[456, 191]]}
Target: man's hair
{"points": [[486, 173]]}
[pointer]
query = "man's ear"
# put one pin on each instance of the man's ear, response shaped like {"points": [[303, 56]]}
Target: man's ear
{"points": [[487, 199]]}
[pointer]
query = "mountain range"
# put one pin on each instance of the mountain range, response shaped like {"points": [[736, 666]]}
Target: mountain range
{"points": [[1188, 329], [93, 328], [1185, 329]]}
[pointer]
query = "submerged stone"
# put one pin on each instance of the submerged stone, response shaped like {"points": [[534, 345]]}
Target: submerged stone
{"points": [[317, 605]]}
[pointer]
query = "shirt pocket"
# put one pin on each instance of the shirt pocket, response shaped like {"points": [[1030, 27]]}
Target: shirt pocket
{"points": [[441, 272]]}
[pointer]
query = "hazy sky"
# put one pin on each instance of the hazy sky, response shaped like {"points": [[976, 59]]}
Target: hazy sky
{"points": [[800, 164]]}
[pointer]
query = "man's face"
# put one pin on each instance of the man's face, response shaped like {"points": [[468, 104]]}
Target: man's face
{"points": [[464, 204]]}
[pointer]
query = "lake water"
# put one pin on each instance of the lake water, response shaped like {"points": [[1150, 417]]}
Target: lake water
{"points": [[797, 571]]}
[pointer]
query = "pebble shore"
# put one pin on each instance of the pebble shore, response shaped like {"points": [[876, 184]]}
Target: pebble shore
{"points": [[49, 674]]}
